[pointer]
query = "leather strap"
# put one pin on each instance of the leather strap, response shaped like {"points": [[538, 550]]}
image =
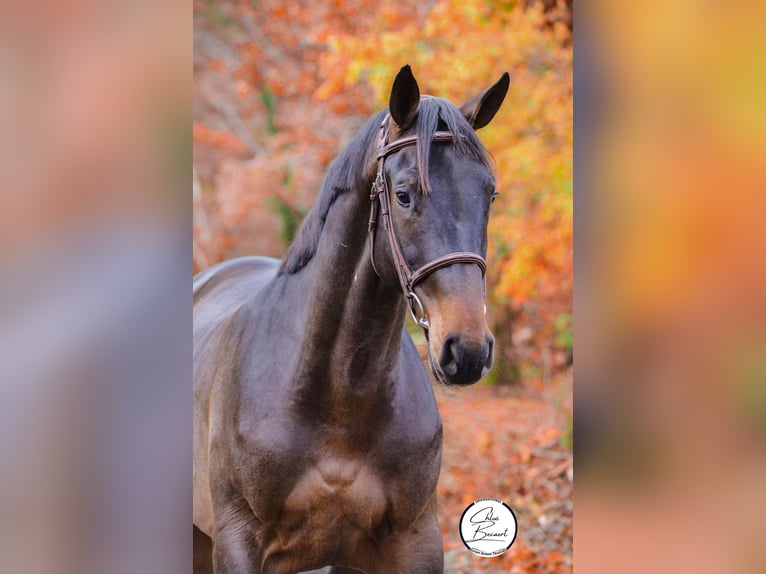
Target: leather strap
{"points": [[412, 140], [445, 261]]}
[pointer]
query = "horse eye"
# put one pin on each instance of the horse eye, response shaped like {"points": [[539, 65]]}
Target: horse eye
{"points": [[493, 196], [403, 198]]}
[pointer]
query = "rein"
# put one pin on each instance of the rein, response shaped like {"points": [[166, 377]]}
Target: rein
{"points": [[381, 200]]}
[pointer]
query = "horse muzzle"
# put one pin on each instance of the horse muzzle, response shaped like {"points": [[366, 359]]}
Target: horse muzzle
{"points": [[462, 362]]}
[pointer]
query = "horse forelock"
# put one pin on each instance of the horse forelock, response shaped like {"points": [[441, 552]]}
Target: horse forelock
{"points": [[438, 114]]}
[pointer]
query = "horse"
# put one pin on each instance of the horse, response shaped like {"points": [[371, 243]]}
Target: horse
{"points": [[317, 438]]}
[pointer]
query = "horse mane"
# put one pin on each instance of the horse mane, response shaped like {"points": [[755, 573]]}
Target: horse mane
{"points": [[346, 172]]}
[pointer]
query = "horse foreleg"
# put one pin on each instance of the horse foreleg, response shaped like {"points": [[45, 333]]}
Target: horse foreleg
{"points": [[235, 550], [419, 550], [203, 552]]}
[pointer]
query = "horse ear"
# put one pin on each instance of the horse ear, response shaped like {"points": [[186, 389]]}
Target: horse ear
{"points": [[405, 98], [481, 108]]}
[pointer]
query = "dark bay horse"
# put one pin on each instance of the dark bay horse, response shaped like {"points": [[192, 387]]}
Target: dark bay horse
{"points": [[317, 441]]}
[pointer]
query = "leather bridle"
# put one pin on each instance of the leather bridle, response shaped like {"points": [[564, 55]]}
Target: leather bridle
{"points": [[380, 198]]}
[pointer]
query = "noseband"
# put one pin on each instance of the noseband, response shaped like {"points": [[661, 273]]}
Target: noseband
{"points": [[380, 198]]}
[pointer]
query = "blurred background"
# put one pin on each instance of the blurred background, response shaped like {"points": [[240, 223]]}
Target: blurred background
{"points": [[95, 299], [280, 88], [670, 287]]}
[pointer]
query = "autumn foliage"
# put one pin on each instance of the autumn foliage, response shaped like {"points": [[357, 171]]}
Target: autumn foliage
{"points": [[280, 87]]}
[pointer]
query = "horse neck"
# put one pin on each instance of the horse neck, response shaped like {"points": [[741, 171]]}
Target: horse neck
{"points": [[354, 326]]}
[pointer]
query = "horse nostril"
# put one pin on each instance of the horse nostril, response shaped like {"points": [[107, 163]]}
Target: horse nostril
{"points": [[490, 352], [449, 355]]}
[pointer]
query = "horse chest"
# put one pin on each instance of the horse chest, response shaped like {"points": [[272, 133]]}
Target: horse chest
{"points": [[334, 491], [333, 486], [334, 505], [339, 505], [339, 493]]}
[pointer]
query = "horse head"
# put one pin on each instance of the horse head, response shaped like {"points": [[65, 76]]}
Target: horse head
{"points": [[436, 184]]}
